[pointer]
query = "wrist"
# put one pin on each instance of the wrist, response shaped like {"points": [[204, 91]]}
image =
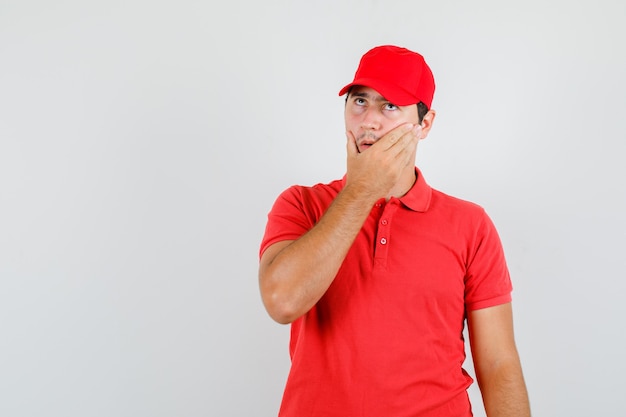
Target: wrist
{"points": [[360, 195]]}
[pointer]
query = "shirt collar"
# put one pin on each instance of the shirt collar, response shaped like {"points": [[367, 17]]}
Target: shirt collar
{"points": [[419, 196]]}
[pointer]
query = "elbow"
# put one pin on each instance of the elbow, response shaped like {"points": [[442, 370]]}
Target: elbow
{"points": [[280, 308], [280, 304], [283, 319], [282, 298]]}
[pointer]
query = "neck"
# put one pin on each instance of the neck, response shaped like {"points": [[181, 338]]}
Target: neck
{"points": [[405, 183]]}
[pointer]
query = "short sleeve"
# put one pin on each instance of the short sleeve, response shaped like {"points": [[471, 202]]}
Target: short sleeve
{"points": [[286, 219], [487, 280]]}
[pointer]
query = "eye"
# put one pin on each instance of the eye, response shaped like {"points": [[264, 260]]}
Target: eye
{"points": [[390, 107], [359, 101]]}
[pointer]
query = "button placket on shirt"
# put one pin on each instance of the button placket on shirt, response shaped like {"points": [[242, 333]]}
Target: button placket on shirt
{"points": [[383, 233], [383, 240]]}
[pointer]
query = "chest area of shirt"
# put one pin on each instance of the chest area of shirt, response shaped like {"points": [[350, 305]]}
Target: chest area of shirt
{"points": [[396, 238], [404, 255]]}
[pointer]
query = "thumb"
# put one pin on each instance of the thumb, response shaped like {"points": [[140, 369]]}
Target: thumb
{"points": [[351, 145]]}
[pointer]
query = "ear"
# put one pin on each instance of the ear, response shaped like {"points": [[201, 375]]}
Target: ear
{"points": [[427, 122]]}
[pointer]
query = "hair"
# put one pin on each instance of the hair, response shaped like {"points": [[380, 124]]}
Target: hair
{"points": [[422, 108]]}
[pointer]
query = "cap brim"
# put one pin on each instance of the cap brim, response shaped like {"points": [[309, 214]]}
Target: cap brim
{"points": [[389, 91]]}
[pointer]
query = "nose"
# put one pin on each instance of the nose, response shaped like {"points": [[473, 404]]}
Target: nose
{"points": [[371, 119]]}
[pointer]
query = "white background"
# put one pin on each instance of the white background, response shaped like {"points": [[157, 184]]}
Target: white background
{"points": [[142, 144]]}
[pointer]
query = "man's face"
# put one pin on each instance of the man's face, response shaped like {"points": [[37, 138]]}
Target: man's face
{"points": [[369, 116]]}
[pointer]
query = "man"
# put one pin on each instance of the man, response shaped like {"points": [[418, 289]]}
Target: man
{"points": [[377, 272]]}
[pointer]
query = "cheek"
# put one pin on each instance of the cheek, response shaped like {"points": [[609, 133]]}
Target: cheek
{"points": [[401, 117], [352, 122]]}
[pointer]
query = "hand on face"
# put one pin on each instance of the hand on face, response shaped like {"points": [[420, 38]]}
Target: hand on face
{"points": [[378, 167]]}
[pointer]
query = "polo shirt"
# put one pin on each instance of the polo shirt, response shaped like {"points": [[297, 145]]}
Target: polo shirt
{"points": [[386, 339]]}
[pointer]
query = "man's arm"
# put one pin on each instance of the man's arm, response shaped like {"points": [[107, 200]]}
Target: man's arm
{"points": [[497, 362], [294, 275]]}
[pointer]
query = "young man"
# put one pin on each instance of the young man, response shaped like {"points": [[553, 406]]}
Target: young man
{"points": [[378, 273]]}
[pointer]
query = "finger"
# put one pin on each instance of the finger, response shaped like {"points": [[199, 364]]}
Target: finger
{"points": [[403, 141], [395, 135], [418, 132], [412, 139], [402, 150]]}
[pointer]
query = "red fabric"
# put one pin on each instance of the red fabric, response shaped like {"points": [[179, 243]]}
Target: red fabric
{"points": [[386, 338], [399, 75]]}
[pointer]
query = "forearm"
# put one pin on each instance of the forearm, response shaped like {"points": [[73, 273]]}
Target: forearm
{"points": [[300, 273], [497, 362], [504, 390]]}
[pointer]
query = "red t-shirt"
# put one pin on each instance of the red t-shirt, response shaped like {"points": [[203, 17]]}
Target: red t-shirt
{"points": [[386, 337]]}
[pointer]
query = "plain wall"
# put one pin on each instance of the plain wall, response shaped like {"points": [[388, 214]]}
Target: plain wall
{"points": [[142, 144]]}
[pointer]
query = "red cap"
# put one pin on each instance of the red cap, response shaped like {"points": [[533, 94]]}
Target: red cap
{"points": [[399, 75]]}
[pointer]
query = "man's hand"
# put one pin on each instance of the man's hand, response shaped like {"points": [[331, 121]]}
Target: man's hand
{"points": [[377, 169]]}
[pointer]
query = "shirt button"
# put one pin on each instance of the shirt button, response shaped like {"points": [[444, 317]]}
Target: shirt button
{"points": [[384, 221], [383, 241], [378, 205]]}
